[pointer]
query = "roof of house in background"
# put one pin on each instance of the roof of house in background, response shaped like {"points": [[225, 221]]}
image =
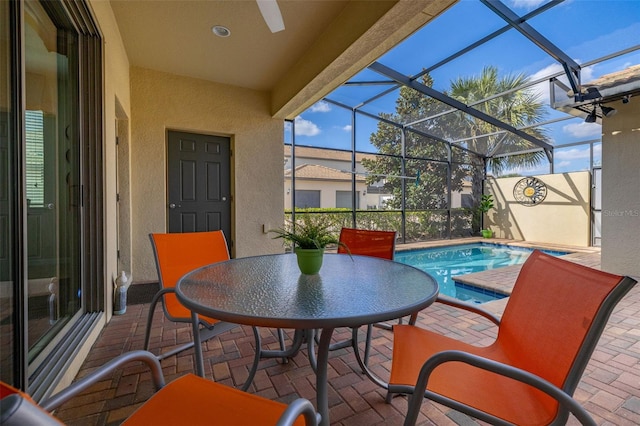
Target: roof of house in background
{"points": [[324, 154], [314, 171]]}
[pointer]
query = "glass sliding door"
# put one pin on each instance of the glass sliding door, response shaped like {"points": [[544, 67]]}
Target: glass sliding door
{"points": [[51, 178], [51, 189]]}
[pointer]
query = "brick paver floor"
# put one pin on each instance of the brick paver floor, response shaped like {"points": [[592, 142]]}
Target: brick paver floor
{"points": [[609, 389]]}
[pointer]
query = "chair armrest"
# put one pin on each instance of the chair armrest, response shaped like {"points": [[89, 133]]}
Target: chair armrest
{"points": [[564, 399], [300, 406], [450, 301], [18, 410], [66, 394]]}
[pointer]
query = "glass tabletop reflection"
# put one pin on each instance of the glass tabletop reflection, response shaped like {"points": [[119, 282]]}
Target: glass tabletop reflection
{"points": [[270, 291]]}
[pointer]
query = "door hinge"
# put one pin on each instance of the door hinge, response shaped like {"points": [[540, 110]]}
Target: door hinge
{"points": [[117, 198]]}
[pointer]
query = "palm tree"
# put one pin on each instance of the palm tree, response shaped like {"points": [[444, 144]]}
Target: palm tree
{"points": [[519, 108]]}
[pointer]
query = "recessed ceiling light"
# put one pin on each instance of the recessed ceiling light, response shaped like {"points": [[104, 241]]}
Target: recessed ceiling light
{"points": [[221, 31]]}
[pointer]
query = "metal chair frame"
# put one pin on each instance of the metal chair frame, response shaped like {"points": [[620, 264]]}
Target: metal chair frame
{"points": [[352, 235], [18, 409]]}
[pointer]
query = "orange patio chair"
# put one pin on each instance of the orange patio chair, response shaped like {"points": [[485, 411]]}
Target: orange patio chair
{"points": [[188, 400], [366, 242], [176, 254], [547, 333]]}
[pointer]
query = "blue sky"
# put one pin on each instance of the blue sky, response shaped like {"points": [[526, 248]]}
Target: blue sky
{"points": [[585, 30]]}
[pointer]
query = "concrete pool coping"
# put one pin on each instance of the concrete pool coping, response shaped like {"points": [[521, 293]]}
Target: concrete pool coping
{"points": [[501, 280]]}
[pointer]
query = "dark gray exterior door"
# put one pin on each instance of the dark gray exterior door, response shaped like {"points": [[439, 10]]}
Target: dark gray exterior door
{"points": [[199, 183]]}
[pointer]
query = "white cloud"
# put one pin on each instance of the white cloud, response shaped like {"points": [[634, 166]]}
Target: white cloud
{"points": [[597, 150], [306, 127], [566, 155], [527, 4], [347, 128], [586, 73], [583, 130], [542, 88], [321, 106]]}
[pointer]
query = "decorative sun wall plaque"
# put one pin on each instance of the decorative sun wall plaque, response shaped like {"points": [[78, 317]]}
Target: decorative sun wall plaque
{"points": [[529, 191]]}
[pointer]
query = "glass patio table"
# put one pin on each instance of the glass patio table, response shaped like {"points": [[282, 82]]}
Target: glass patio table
{"points": [[270, 291]]}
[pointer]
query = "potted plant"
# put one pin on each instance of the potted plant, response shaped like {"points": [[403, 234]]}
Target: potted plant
{"points": [[309, 238], [486, 204]]}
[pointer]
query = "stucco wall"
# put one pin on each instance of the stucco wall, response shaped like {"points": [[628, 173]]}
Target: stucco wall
{"points": [[162, 102], [620, 192], [562, 218], [116, 90]]}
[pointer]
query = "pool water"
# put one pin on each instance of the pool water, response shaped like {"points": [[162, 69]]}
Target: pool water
{"points": [[444, 263]]}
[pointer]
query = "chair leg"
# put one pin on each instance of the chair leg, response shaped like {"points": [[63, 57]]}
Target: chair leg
{"points": [[152, 309], [388, 398]]}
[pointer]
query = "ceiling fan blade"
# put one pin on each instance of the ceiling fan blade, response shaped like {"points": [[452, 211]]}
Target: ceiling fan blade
{"points": [[271, 14]]}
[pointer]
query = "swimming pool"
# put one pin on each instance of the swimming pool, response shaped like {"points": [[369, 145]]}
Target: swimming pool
{"points": [[443, 263]]}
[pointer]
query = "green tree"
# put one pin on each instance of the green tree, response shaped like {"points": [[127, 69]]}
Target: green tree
{"points": [[516, 107], [425, 181]]}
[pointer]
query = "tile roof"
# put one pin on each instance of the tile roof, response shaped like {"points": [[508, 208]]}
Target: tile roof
{"points": [[314, 171], [324, 153], [617, 78]]}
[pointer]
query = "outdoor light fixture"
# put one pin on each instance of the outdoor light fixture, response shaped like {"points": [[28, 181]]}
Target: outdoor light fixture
{"points": [[591, 118], [607, 111], [221, 31]]}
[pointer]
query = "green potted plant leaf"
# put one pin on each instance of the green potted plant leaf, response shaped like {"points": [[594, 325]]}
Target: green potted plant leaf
{"points": [[309, 239], [486, 204]]}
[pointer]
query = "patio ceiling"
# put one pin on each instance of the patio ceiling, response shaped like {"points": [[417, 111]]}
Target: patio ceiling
{"points": [[324, 43]]}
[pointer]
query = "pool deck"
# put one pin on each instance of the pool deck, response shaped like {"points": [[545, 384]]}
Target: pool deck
{"points": [[609, 388]]}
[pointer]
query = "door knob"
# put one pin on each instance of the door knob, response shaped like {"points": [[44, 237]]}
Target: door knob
{"points": [[172, 206]]}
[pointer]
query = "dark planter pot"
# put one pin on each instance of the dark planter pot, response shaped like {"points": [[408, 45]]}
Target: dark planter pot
{"points": [[309, 260]]}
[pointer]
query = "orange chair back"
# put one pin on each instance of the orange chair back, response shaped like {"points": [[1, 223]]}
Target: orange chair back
{"points": [[180, 253], [367, 242], [550, 317]]}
